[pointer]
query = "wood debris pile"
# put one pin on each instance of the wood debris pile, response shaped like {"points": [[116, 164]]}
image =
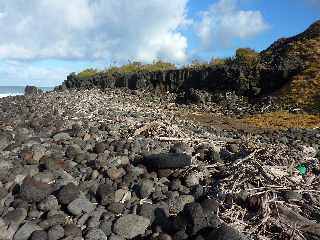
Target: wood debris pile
{"points": [[267, 198]]}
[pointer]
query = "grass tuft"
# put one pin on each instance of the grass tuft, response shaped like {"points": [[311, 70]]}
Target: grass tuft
{"points": [[283, 120]]}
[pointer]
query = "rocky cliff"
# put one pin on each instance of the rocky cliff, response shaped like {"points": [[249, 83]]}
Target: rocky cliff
{"points": [[214, 78], [278, 65], [298, 59]]}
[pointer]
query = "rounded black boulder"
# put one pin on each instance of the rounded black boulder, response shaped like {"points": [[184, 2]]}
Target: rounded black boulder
{"points": [[68, 193], [34, 191], [225, 232], [167, 160]]}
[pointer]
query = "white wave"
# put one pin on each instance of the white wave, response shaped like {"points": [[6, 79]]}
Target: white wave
{"points": [[2, 95]]}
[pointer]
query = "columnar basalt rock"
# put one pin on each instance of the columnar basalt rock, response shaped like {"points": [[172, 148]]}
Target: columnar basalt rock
{"points": [[215, 78]]}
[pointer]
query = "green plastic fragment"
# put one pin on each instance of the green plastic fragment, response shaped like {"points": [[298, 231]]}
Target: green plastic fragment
{"points": [[302, 168]]}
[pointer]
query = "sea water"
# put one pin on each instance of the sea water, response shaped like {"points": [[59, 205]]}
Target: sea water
{"points": [[6, 91]]}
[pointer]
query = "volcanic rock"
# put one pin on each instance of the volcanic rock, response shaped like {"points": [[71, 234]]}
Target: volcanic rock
{"points": [[167, 160], [34, 191], [130, 226]]}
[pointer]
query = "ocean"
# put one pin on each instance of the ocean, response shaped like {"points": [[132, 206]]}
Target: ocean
{"points": [[6, 91]]}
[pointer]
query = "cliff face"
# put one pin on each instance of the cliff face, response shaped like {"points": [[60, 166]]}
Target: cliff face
{"points": [[289, 57], [284, 63], [214, 78], [299, 56]]}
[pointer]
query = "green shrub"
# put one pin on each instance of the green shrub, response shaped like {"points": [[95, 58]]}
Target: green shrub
{"points": [[135, 67], [197, 64], [159, 66], [90, 72], [217, 61], [247, 56]]}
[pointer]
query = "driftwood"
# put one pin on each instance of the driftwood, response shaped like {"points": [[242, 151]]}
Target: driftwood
{"points": [[145, 128]]}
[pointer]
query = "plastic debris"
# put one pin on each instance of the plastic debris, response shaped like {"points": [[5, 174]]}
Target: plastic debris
{"points": [[302, 168]]}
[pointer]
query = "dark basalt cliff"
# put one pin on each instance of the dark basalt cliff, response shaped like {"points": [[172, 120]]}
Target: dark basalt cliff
{"points": [[276, 66], [214, 78], [289, 57]]}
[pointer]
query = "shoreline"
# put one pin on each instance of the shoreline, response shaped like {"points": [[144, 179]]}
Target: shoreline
{"points": [[116, 156]]}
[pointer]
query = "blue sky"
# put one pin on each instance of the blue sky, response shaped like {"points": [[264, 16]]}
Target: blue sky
{"points": [[43, 41]]}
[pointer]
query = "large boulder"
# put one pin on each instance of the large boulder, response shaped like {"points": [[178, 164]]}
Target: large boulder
{"points": [[167, 160], [34, 191], [32, 90], [131, 225]]}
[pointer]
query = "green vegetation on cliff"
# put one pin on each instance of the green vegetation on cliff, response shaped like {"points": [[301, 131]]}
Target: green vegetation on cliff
{"points": [[131, 67], [87, 73]]}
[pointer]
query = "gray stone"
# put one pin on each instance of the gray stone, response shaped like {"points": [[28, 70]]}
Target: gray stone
{"points": [[164, 236], [146, 188], [72, 151], [39, 235], [52, 221], [116, 207], [55, 233], [80, 205], [15, 216], [116, 173], [50, 203], [25, 231], [61, 137], [100, 148], [34, 191], [45, 177], [3, 193], [34, 213], [7, 231], [82, 220], [175, 185], [93, 222], [38, 152], [131, 225], [192, 180], [22, 134], [178, 203], [72, 230], [157, 213], [122, 194], [115, 237], [118, 161], [68, 193], [72, 238], [4, 141], [95, 234], [106, 227], [225, 232], [63, 178], [105, 193], [197, 218], [210, 205]]}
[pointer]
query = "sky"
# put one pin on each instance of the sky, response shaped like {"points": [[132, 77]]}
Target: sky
{"points": [[42, 41]]}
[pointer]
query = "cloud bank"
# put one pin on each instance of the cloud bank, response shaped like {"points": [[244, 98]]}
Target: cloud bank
{"points": [[224, 21], [93, 29], [109, 31]]}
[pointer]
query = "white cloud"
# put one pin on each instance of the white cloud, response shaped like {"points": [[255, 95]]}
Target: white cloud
{"points": [[93, 29], [224, 21]]}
